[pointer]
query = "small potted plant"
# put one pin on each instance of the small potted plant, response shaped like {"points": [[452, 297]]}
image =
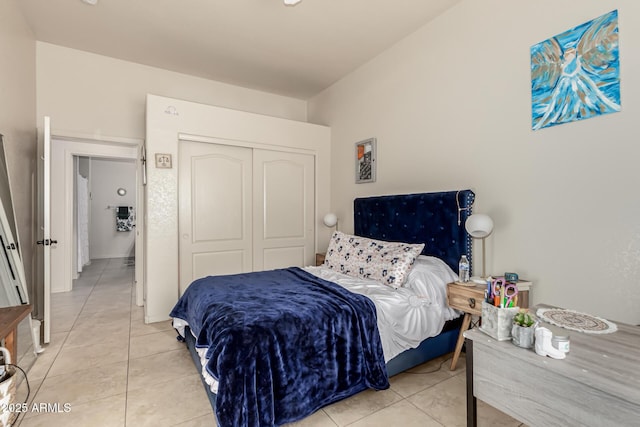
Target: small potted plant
{"points": [[523, 330]]}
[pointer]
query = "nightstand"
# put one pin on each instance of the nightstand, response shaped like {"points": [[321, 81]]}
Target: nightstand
{"points": [[319, 259], [469, 300]]}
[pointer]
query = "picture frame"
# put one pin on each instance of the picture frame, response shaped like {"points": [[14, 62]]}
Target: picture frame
{"points": [[366, 161], [575, 75], [163, 161]]}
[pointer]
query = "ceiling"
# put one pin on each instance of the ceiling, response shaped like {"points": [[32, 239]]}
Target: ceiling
{"points": [[261, 44]]}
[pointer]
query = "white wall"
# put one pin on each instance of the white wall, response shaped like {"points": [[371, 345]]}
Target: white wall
{"points": [[17, 121], [97, 96], [17, 124], [451, 108], [107, 175]]}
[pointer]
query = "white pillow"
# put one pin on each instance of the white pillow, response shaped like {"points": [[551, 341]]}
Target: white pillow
{"points": [[429, 277], [387, 262]]}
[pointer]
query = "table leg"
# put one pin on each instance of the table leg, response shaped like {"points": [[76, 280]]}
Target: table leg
{"points": [[472, 402], [10, 343], [466, 321]]}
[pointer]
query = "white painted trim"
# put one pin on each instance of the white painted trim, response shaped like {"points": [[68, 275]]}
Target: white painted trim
{"points": [[94, 139]]}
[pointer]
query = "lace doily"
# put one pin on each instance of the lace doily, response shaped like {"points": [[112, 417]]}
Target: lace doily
{"points": [[576, 321]]}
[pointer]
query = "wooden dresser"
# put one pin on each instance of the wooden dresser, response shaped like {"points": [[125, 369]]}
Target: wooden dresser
{"points": [[10, 317]]}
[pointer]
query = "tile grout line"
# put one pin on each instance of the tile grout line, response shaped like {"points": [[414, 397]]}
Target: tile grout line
{"points": [[406, 398], [77, 323], [85, 302], [22, 416], [126, 389]]}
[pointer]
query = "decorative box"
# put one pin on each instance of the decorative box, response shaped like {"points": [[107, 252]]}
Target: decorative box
{"points": [[497, 322]]}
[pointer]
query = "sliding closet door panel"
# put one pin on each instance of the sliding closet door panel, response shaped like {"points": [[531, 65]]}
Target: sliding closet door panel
{"points": [[284, 257], [221, 262], [215, 210], [215, 207], [284, 210], [284, 198]]}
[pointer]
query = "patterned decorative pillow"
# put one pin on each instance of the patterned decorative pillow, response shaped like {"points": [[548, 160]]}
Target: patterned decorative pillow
{"points": [[386, 262]]}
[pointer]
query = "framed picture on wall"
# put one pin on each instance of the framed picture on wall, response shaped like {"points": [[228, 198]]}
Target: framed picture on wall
{"points": [[366, 161], [575, 75]]}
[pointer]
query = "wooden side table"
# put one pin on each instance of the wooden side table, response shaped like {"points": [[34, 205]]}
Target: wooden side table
{"points": [[469, 300], [10, 317], [319, 259]]}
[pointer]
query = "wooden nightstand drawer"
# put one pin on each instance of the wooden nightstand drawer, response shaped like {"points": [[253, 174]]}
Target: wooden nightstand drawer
{"points": [[466, 298]]}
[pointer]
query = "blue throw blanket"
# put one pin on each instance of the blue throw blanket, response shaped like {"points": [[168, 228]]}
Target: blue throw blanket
{"points": [[282, 343]]}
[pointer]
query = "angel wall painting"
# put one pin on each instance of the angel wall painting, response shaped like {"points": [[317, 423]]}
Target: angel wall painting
{"points": [[576, 75]]}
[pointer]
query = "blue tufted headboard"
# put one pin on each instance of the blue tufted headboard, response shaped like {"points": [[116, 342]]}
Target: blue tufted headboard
{"points": [[435, 219]]}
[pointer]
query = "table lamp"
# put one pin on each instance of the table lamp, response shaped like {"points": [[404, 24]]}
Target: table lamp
{"points": [[479, 226], [331, 220]]}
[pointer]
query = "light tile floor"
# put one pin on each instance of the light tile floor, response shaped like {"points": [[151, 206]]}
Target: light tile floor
{"points": [[113, 370]]}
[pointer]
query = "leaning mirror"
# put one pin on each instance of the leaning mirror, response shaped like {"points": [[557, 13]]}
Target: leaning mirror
{"points": [[13, 290], [13, 285]]}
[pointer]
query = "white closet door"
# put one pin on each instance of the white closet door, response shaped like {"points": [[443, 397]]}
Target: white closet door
{"points": [[215, 210], [283, 206]]}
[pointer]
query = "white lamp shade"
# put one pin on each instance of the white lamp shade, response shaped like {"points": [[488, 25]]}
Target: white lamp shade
{"points": [[330, 220], [479, 226]]}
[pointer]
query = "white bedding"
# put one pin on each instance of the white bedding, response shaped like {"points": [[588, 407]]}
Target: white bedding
{"points": [[406, 316]]}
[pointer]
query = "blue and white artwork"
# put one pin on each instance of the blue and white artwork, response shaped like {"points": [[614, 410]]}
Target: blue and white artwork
{"points": [[576, 75]]}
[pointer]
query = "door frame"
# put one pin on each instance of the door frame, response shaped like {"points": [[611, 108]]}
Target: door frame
{"points": [[103, 147]]}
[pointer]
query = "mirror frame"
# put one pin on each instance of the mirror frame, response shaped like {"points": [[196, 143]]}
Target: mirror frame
{"points": [[8, 220]]}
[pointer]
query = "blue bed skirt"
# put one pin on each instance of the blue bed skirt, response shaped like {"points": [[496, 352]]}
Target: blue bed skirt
{"points": [[429, 349]]}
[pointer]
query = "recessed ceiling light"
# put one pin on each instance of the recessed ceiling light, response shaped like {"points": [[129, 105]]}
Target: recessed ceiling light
{"points": [[91, 2], [291, 2]]}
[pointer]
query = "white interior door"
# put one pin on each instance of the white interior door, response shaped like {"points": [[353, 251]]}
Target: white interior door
{"points": [[283, 202], [214, 210], [46, 242], [139, 243]]}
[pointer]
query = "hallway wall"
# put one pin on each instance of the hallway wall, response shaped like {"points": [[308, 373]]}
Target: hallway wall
{"points": [[107, 175]]}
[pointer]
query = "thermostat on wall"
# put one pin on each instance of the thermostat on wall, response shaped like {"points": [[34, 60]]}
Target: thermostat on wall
{"points": [[163, 161]]}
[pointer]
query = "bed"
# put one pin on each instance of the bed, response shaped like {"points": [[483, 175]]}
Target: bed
{"points": [[308, 337]]}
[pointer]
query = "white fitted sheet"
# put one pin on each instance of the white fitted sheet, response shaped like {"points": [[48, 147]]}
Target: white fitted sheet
{"points": [[407, 315]]}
